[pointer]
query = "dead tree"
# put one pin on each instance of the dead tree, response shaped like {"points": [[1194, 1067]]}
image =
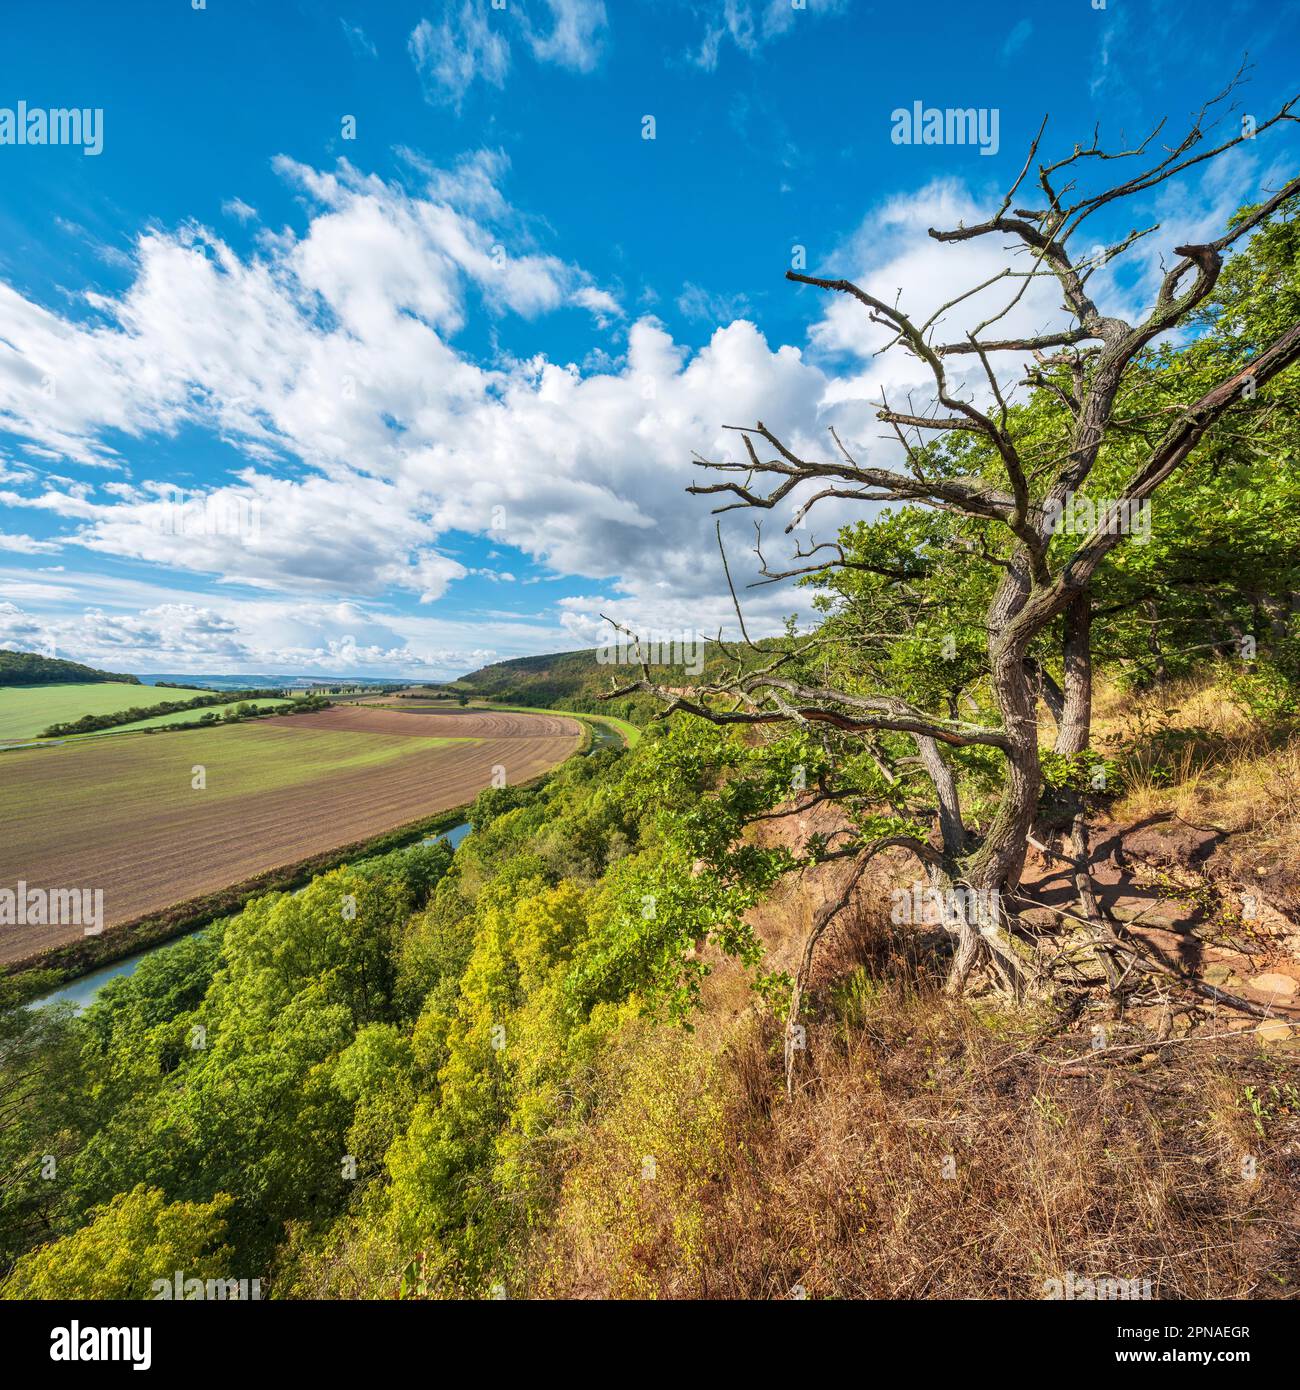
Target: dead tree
{"points": [[1083, 364]]}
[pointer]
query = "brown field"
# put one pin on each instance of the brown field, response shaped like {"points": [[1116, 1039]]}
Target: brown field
{"points": [[120, 813], [441, 723]]}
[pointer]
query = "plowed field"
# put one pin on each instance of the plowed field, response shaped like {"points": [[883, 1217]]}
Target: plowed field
{"points": [[122, 814]]}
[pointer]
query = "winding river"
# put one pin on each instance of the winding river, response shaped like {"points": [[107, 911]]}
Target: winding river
{"points": [[81, 992]]}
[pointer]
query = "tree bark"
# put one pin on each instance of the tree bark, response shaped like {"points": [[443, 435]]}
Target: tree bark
{"points": [[1075, 725]]}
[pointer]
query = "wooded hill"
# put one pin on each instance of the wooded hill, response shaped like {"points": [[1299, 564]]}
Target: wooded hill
{"points": [[577, 680], [29, 668]]}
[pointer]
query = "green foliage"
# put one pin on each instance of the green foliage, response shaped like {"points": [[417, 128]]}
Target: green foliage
{"points": [[416, 870], [492, 802], [329, 1060], [134, 1239], [1269, 686], [28, 668], [1081, 772], [42, 1128]]}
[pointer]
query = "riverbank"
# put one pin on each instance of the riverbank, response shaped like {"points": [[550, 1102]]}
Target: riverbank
{"points": [[63, 964], [81, 991], [59, 967]]}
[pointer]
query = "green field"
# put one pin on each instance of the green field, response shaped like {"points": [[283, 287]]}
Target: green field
{"points": [[241, 759], [185, 716], [158, 822], [629, 733], [26, 710]]}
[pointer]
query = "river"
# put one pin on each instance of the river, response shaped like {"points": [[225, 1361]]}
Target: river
{"points": [[81, 992]]}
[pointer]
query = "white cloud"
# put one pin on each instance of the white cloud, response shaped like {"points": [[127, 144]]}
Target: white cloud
{"points": [[473, 42], [358, 40], [891, 256], [575, 37], [27, 545], [326, 359], [239, 209], [1019, 35], [752, 24], [263, 638], [696, 302], [465, 46], [602, 305]]}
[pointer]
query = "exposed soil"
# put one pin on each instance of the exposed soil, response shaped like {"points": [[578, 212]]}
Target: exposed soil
{"points": [[1172, 885], [1175, 886], [440, 723], [178, 845]]}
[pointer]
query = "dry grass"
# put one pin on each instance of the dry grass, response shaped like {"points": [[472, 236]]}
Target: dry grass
{"points": [[932, 1150], [937, 1148], [1192, 748]]}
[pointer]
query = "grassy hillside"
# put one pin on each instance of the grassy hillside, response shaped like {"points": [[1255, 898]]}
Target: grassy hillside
{"points": [[28, 668], [539, 680], [26, 710]]}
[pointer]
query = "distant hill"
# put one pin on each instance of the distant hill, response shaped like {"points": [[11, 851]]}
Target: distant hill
{"points": [[575, 680], [543, 679], [27, 668]]}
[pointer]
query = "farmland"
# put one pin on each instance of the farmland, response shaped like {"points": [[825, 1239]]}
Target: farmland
{"points": [[184, 716], [628, 733], [122, 814], [26, 710]]}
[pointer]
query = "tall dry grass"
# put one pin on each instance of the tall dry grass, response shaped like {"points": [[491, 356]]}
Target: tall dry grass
{"points": [[932, 1150], [1192, 748]]}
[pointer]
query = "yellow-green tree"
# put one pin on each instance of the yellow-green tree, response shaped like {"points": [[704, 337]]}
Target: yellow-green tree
{"points": [[136, 1238]]}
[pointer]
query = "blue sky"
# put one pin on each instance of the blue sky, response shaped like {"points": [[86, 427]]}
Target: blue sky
{"points": [[441, 382]]}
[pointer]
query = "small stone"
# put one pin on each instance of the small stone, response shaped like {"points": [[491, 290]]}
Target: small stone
{"points": [[1276, 985], [1273, 1030]]}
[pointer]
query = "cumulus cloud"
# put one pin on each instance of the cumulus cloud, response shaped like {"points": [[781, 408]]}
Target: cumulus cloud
{"points": [[891, 256], [335, 350], [364, 439], [328, 361]]}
